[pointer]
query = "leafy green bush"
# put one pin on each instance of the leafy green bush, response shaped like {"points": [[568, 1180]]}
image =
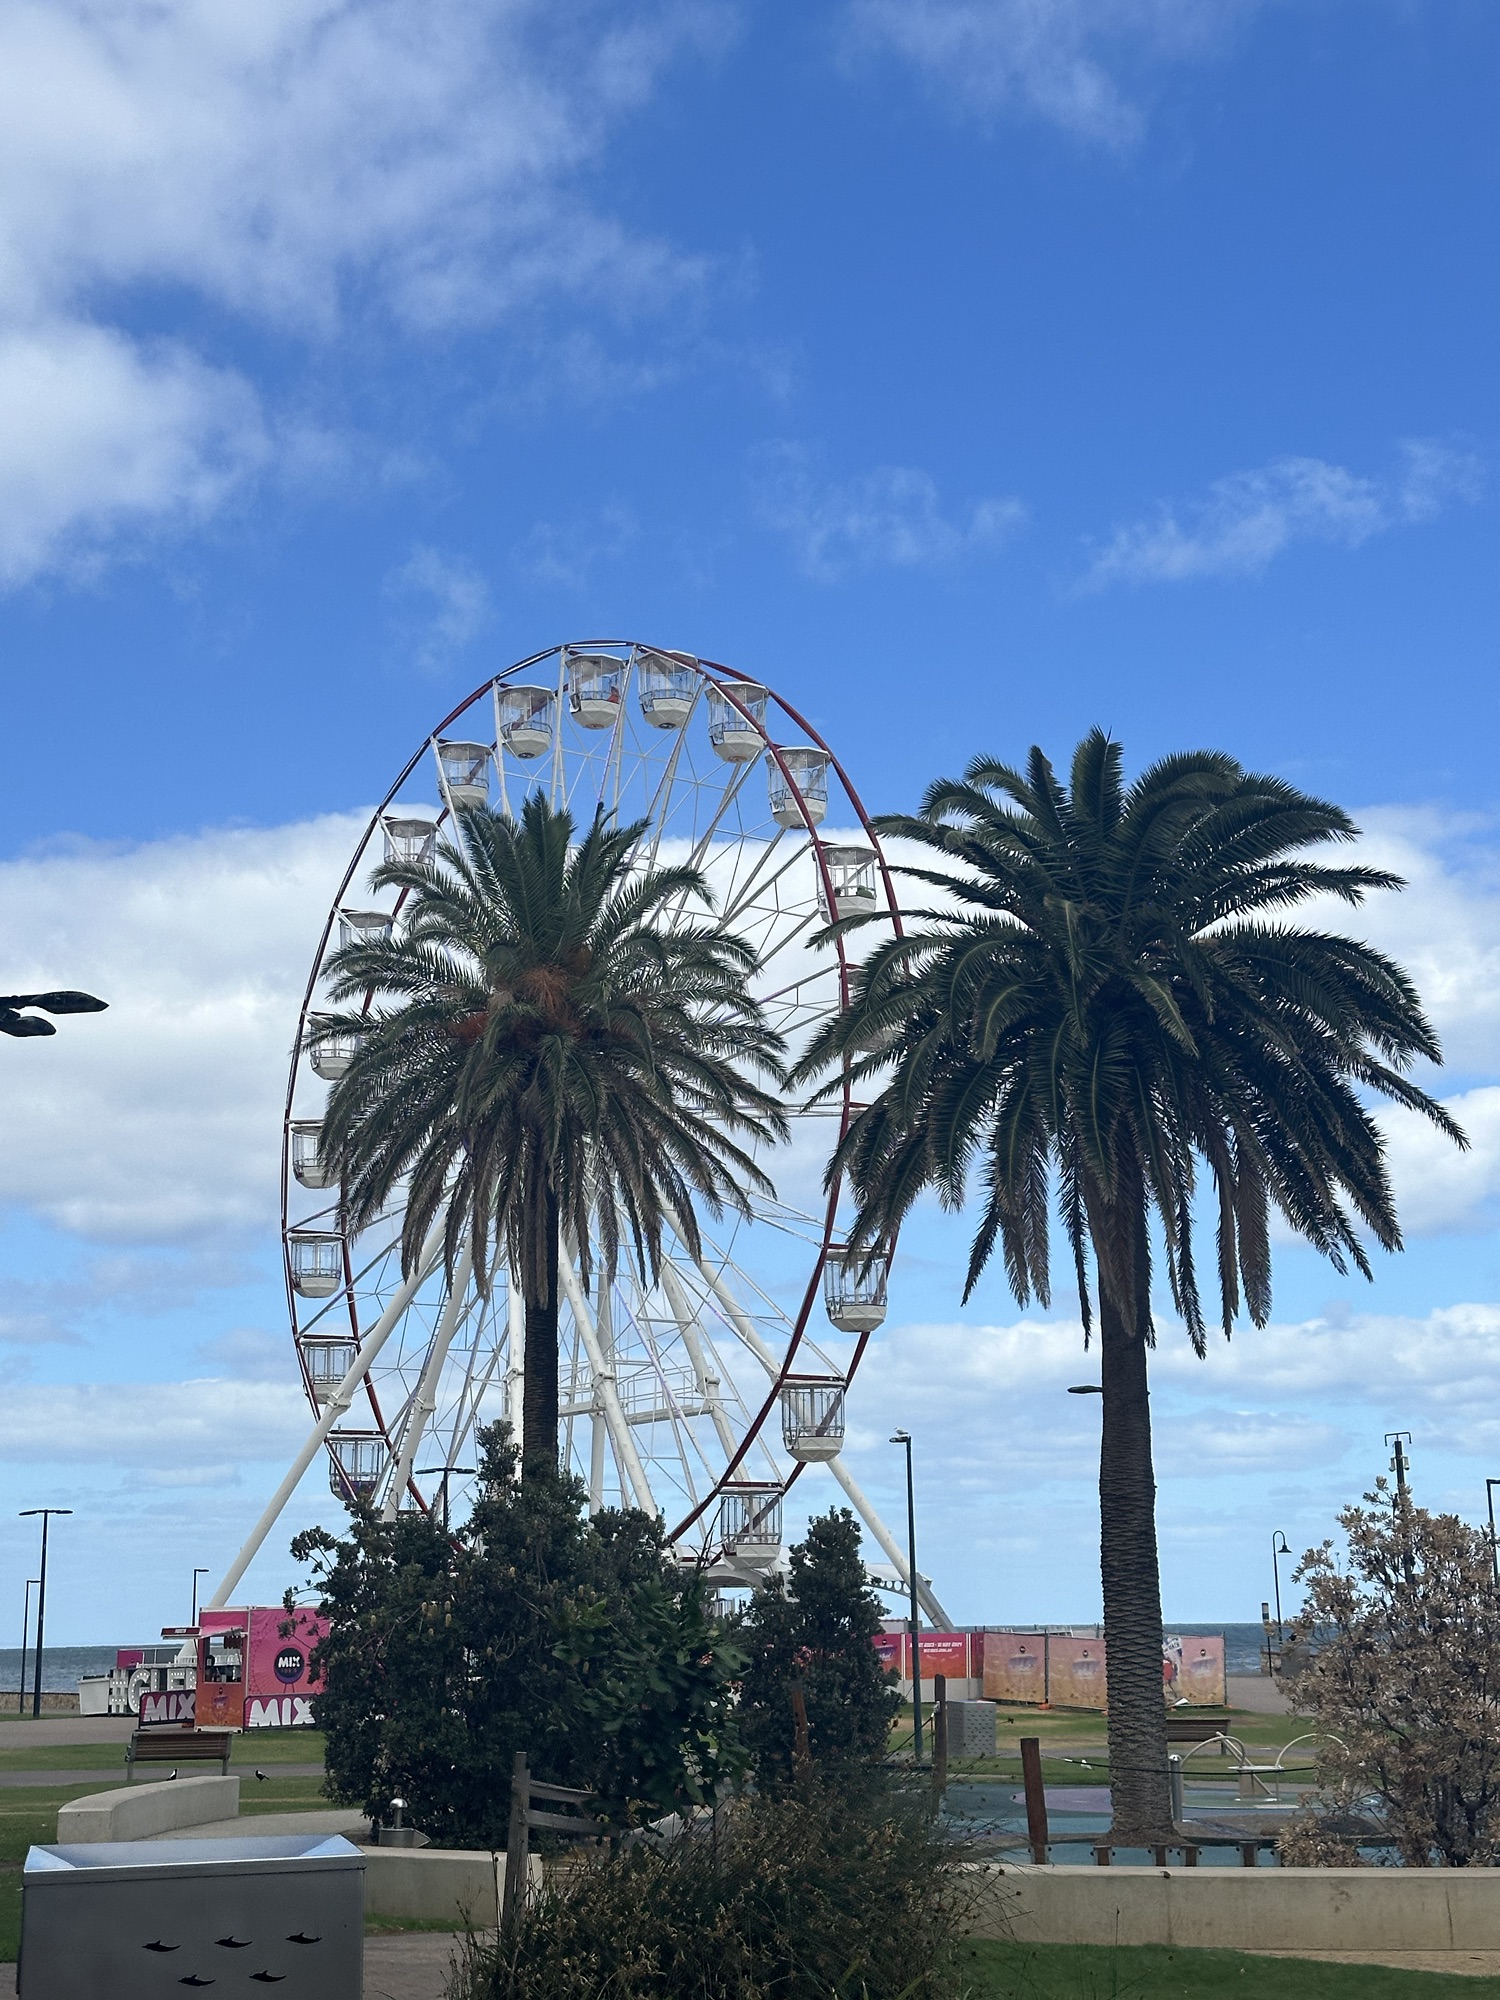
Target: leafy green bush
{"points": [[815, 1629], [531, 1628], [828, 1891]]}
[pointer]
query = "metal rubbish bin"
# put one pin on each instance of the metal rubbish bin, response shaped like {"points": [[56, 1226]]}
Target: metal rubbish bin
{"points": [[140, 1919]]}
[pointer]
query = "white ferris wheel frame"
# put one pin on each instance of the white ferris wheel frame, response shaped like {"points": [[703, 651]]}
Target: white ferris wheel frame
{"points": [[403, 1432]]}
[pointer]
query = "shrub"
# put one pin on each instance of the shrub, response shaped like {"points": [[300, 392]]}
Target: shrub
{"points": [[815, 1629], [531, 1628], [1406, 1682], [824, 1892]]}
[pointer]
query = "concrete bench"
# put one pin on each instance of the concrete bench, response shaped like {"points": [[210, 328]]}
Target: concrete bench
{"points": [[135, 1812]]}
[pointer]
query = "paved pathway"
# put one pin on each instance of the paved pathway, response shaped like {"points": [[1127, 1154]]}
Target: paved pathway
{"points": [[1473, 1964], [18, 1733]]}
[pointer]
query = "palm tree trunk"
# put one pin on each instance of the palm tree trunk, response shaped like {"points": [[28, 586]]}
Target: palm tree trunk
{"points": [[1139, 1785], [539, 1381]]}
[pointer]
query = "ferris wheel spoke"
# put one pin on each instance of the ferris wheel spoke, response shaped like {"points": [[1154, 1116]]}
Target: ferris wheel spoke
{"points": [[425, 1400], [708, 1384]]}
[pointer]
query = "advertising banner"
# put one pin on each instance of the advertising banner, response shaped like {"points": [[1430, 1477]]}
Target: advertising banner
{"points": [[279, 1679], [167, 1706], [1015, 1666], [1193, 1671], [942, 1653], [219, 1705], [891, 1647], [1075, 1672]]}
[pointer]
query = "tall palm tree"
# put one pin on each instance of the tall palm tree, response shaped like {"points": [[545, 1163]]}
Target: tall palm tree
{"points": [[554, 1058], [1111, 1003]]}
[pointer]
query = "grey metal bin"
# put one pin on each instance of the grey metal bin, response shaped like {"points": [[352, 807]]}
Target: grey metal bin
{"points": [[141, 1919]]}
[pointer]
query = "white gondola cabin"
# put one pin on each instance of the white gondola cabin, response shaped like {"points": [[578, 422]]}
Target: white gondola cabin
{"points": [[316, 1258], [364, 927], [738, 737], [358, 1460], [812, 1419], [307, 1161], [854, 1290], [750, 1522], [466, 772], [666, 690], [330, 1051], [408, 840], [851, 876], [799, 786], [327, 1363], [596, 682], [525, 719]]}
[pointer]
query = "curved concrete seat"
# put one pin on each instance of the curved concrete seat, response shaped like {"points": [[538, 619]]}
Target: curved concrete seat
{"points": [[136, 1812]]}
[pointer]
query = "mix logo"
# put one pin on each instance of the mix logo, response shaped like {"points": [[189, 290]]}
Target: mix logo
{"points": [[279, 1711]]}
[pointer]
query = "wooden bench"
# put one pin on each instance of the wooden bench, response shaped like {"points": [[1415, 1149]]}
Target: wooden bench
{"points": [[179, 1746], [1198, 1728]]}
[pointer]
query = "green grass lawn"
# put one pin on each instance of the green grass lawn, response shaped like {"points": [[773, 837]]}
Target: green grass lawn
{"points": [[1156, 1972], [255, 1746]]}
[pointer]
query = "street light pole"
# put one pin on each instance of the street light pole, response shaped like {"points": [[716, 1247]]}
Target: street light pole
{"points": [[196, 1574], [1403, 1501], [25, 1644], [41, 1600], [904, 1438], [1276, 1554], [1489, 1494]]}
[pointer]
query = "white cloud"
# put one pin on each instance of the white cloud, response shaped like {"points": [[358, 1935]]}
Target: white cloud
{"points": [[459, 599], [297, 163], [565, 555], [1079, 64], [97, 432], [1250, 518], [159, 1121], [207, 1424], [891, 517]]}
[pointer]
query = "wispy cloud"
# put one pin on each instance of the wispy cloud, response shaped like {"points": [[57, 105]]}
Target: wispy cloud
{"points": [[1245, 521], [889, 518], [1083, 65], [306, 164], [564, 555], [457, 601]]}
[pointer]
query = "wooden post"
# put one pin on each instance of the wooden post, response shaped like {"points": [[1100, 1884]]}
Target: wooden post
{"points": [[801, 1745], [517, 1839], [939, 1734], [1036, 1798]]}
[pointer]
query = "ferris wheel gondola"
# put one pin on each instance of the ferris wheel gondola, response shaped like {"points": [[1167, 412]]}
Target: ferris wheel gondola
{"points": [[701, 1392]]}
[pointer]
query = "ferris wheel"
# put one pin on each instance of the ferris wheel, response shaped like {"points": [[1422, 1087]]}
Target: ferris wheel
{"points": [[700, 1394]]}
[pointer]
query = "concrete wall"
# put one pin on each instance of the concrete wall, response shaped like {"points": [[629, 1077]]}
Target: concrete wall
{"points": [[442, 1885], [1246, 1909], [138, 1811]]}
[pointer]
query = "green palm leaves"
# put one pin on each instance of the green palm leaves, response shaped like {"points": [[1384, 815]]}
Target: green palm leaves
{"points": [[1113, 1006], [552, 1047]]}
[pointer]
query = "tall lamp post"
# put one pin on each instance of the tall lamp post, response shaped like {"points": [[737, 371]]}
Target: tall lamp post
{"points": [[196, 1574], [25, 1644], [1280, 1547], [1489, 1494], [904, 1438], [448, 1472], [41, 1599]]}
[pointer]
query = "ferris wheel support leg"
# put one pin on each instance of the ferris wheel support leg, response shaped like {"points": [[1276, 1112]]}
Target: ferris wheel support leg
{"points": [[882, 1534], [626, 1456], [338, 1403], [426, 1397]]}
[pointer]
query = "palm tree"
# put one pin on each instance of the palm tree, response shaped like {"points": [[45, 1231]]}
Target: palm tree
{"points": [[1111, 1002], [553, 1057]]}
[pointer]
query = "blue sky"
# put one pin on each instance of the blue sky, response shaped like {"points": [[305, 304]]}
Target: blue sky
{"points": [[973, 371]]}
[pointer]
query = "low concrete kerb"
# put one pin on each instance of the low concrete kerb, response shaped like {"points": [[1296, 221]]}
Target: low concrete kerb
{"points": [[137, 1811], [1244, 1909]]}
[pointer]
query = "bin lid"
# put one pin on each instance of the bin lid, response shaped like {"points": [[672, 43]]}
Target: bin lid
{"points": [[271, 1852]]}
